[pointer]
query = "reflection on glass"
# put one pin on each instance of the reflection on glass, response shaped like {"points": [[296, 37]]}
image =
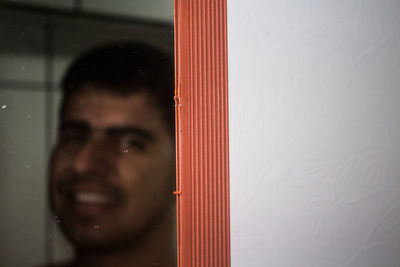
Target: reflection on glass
{"points": [[108, 156]]}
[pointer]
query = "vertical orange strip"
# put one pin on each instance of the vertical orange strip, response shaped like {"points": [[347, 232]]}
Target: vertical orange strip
{"points": [[202, 133]]}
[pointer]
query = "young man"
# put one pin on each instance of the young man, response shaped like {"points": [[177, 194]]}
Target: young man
{"points": [[112, 172]]}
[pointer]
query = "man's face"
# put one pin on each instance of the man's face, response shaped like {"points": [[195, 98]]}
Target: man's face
{"points": [[112, 171]]}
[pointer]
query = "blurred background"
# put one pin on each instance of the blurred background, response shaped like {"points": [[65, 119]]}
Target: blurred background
{"points": [[38, 39]]}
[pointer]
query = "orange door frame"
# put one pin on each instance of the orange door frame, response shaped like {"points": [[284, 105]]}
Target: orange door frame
{"points": [[201, 97]]}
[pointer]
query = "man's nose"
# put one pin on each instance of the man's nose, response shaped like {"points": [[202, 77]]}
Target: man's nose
{"points": [[92, 157]]}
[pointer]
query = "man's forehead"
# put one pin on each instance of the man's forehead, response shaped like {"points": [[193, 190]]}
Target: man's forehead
{"points": [[102, 108]]}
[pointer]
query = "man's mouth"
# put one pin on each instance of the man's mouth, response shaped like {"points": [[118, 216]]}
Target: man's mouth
{"points": [[88, 200], [91, 198], [90, 204]]}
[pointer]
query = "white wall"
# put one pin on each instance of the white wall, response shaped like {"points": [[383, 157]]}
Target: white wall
{"points": [[314, 132]]}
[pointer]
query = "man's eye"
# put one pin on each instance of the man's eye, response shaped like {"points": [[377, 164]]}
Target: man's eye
{"points": [[129, 144]]}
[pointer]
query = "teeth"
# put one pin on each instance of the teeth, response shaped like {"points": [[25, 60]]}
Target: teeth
{"points": [[90, 197]]}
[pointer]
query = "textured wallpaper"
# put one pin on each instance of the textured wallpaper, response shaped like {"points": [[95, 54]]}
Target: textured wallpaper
{"points": [[314, 107]]}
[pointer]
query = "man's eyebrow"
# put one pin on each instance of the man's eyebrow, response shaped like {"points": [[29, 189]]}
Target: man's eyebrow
{"points": [[112, 130], [129, 130], [79, 125]]}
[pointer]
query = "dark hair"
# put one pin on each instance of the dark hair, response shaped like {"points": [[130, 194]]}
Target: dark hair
{"points": [[124, 68]]}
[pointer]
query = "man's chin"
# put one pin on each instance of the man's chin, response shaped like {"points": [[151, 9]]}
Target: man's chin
{"points": [[94, 238]]}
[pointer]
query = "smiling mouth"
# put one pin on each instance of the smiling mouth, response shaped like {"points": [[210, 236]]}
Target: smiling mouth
{"points": [[88, 200], [89, 204], [91, 198]]}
